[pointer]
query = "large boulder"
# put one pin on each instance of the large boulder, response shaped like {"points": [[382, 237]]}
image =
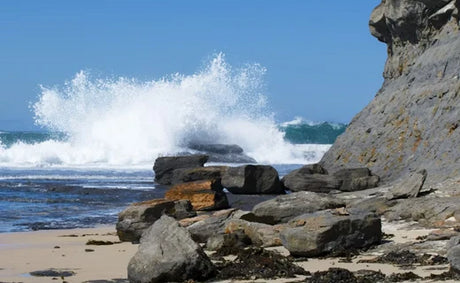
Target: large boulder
{"points": [[252, 179], [167, 253], [326, 232], [356, 179], [137, 217], [413, 121], [165, 166], [203, 195], [312, 177], [283, 208], [197, 174], [228, 153]]}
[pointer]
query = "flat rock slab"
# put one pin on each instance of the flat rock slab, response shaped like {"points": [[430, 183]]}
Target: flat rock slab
{"points": [[283, 208], [167, 253], [326, 232]]}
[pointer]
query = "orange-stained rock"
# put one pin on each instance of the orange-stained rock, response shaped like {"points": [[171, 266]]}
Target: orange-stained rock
{"points": [[204, 195]]}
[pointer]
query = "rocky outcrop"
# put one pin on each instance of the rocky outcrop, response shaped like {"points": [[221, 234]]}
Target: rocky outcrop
{"points": [[164, 166], [252, 179], [167, 253], [413, 122], [196, 174], [137, 217], [409, 186], [326, 232], [203, 195]]}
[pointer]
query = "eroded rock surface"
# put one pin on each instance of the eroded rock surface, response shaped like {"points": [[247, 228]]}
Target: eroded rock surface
{"points": [[413, 122]]}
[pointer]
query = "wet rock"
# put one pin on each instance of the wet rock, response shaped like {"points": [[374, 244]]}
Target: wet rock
{"points": [[139, 216], [228, 153], [409, 186], [252, 179], [283, 208], [203, 195], [324, 232], [260, 234], [356, 179], [230, 240], [165, 166], [197, 174], [168, 253], [255, 263]]}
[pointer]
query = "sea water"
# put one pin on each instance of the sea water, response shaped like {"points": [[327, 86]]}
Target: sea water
{"points": [[101, 136]]}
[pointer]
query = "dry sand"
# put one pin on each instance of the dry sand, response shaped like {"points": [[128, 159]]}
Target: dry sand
{"points": [[21, 253]]}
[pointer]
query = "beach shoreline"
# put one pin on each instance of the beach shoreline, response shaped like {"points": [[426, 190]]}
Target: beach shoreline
{"points": [[66, 250]]}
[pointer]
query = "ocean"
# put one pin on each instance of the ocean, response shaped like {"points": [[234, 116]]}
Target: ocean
{"points": [[101, 136]]}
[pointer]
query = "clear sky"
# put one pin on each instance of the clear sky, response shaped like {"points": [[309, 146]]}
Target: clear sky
{"points": [[322, 63]]}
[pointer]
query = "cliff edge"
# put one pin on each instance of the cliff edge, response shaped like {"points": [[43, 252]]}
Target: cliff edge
{"points": [[413, 122]]}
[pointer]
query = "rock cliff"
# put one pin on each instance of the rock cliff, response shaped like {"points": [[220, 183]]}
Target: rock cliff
{"points": [[413, 123]]}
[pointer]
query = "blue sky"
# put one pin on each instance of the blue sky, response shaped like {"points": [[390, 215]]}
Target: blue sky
{"points": [[322, 63]]}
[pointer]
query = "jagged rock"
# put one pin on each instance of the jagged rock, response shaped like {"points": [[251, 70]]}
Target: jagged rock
{"points": [[197, 174], [260, 234], [228, 153], [409, 187], [233, 240], [453, 255], [323, 232], [283, 208], [165, 166], [413, 122], [202, 230], [252, 179], [167, 253], [203, 195], [137, 217], [356, 179]]}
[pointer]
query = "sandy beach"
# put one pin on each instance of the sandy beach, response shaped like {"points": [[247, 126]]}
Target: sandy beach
{"points": [[66, 250]]}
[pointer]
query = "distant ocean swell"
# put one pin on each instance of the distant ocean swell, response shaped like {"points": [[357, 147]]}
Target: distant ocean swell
{"points": [[124, 122]]}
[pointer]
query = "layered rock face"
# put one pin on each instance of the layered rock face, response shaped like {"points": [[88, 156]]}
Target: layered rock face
{"points": [[413, 123]]}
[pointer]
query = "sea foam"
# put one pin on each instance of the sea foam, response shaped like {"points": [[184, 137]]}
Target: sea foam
{"points": [[126, 122]]}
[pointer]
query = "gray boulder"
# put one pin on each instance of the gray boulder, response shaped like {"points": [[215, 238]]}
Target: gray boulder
{"points": [[320, 183], [409, 186], [167, 253], [252, 179], [165, 166], [453, 255], [283, 208], [137, 217], [263, 235], [197, 174], [324, 232], [236, 239], [202, 230], [413, 121], [356, 179]]}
